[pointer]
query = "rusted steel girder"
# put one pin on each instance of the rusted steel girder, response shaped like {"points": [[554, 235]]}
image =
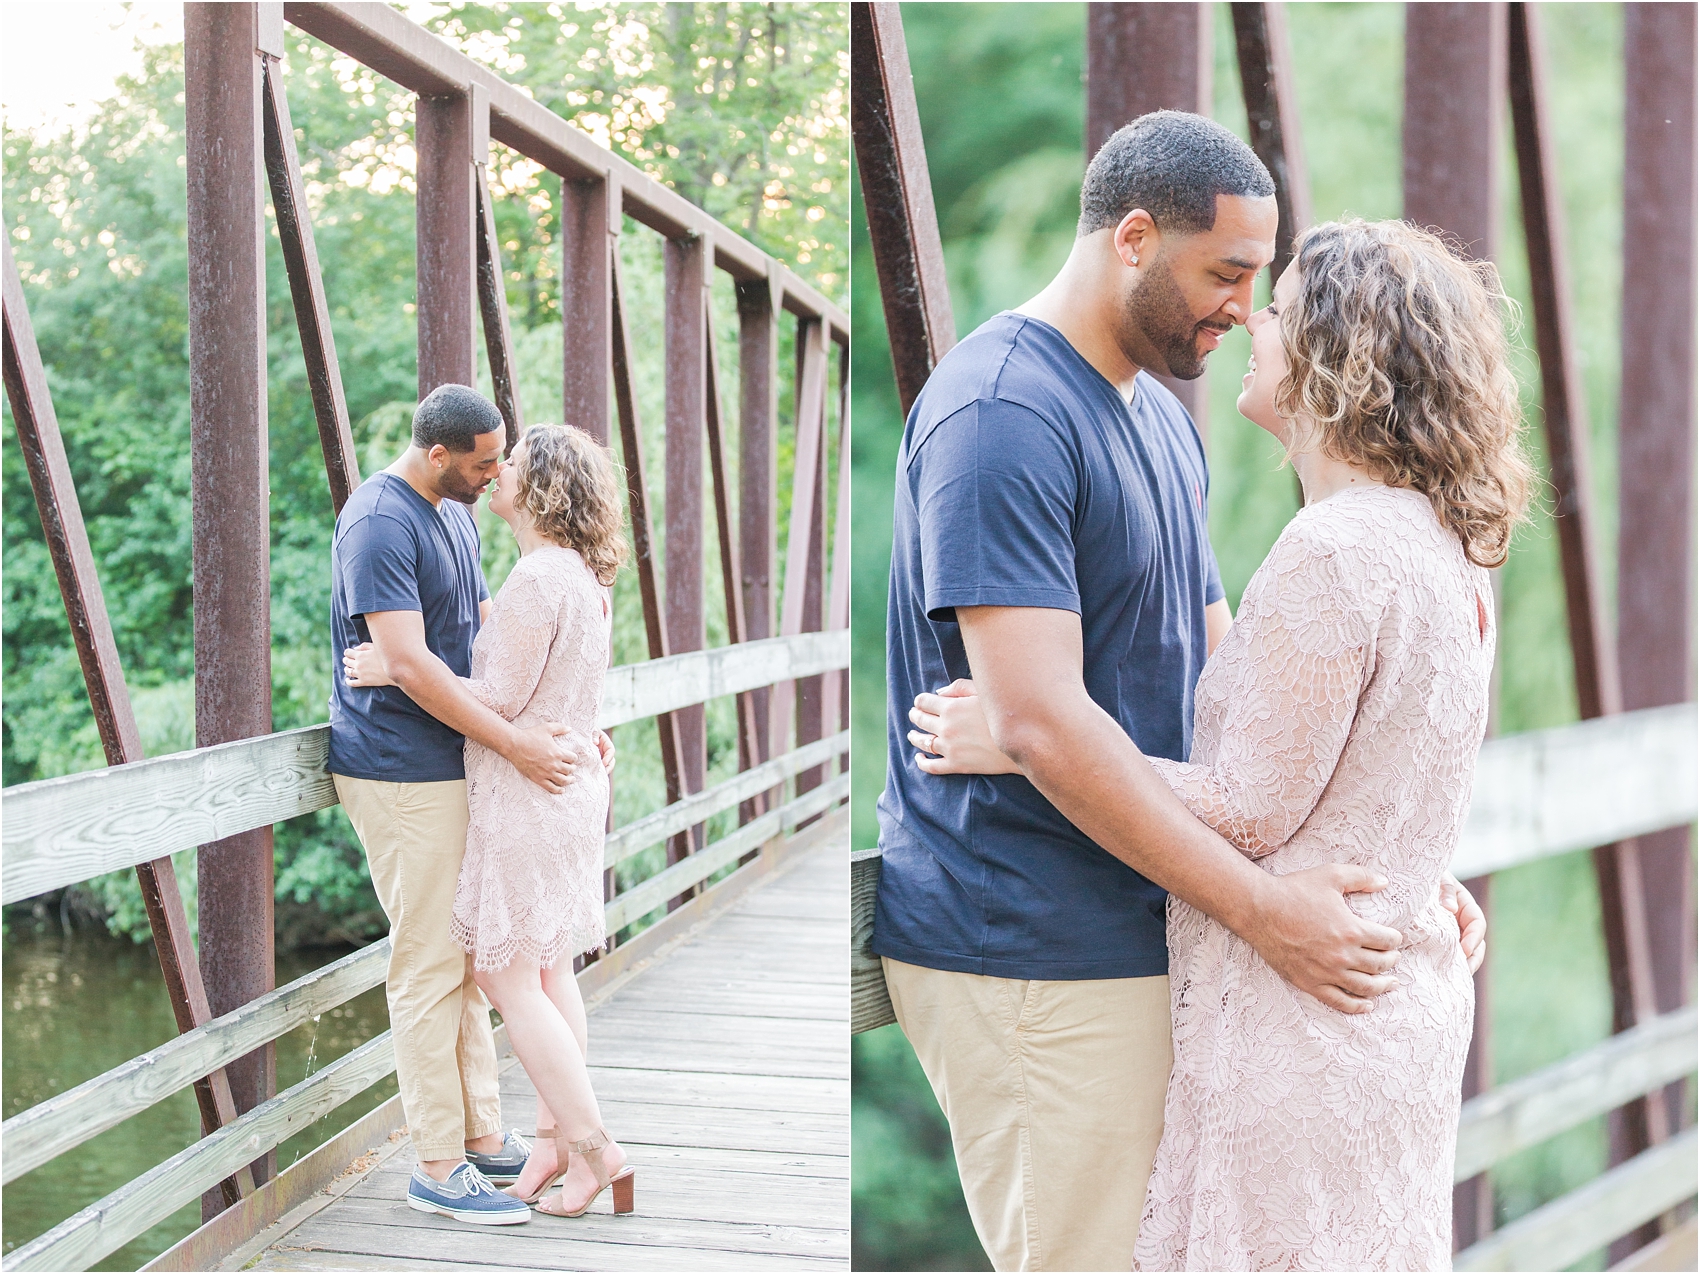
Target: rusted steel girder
{"points": [[686, 268], [590, 223], [1272, 111], [1618, 867], [103, 674], [759, 305], [726, 529], [643, 527], [224, 141], [897, 197], [493, 309], [1656, 429], [447, 145], [1454, 94], [306, 283], [800, 610], [1142, 58], [837, 711]]}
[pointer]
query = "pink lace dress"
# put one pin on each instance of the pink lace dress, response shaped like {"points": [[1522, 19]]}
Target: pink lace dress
{"points": [[1338, 722], [531, 881]]}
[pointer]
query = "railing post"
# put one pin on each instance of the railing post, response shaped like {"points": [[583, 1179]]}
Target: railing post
{"points": [[686, 271], [446, 145], [805, 544], [759, 304], [224, 139], [1142, 58], [1454, 93], [590, 218], [1656, 427]]}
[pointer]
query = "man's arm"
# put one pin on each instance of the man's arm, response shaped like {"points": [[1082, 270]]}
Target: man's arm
{"points": [[1077, 755], [399, 636], [1217, 620]]}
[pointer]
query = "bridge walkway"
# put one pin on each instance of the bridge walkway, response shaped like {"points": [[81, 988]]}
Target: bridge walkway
{"points": [[722, 1064]]}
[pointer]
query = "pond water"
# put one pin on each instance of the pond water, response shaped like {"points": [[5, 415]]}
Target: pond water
{"points": [[80, 1003]]}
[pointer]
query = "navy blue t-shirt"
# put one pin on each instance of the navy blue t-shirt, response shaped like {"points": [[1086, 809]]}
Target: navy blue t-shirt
{"points": [[1026, 480], [394, 551]]}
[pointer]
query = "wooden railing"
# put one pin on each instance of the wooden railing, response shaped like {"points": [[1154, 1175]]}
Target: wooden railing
{"points": [[1536, 796], [63, 831]]}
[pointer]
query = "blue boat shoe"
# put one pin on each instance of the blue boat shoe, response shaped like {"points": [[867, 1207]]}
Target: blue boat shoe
{"points": [[466, 1196], [503, 1167]]}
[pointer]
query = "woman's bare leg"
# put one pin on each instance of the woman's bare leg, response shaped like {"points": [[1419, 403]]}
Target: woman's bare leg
{"points": [[553, 1057]]}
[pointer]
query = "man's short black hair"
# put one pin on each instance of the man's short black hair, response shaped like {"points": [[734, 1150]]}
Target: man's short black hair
{"points": [[454, 416], [1173, 165]]}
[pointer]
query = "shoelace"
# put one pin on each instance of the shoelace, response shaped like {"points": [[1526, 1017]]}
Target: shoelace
{"points": [[477, 1182]]}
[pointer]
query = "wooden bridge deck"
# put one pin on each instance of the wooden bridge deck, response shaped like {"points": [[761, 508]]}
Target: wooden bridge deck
{"points": [[722, 1065]]}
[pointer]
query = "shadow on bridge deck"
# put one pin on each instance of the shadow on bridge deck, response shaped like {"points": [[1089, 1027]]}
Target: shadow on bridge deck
{"points": [[722, 1064]]}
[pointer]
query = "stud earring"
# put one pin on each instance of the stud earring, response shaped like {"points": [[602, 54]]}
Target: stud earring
{"points": [[1136, 261]]}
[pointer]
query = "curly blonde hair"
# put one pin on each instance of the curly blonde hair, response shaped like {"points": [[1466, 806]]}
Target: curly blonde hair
{"points": [[1397, 360], [568, 487]]}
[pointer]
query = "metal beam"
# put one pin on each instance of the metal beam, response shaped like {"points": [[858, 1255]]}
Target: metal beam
{"points": [[1454, 93], [643, 526], [307, 287], [897, 196], [686, 268], [590, 222], [1142, 58], [758, 486], [1656, 430], [1618, 867], [103, 674], [446, 203], [405, 52], [1272, 113], [224, 141], [493, 310], [726, 530]]}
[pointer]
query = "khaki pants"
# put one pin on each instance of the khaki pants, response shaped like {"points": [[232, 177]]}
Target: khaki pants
{"points": [[445, 1055], [1054, 1093]]}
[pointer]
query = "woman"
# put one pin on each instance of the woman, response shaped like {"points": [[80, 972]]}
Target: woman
{"points": [[530, 892], [1338, 721]]}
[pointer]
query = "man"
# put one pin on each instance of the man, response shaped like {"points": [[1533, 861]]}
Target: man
{"points": [[1051, 542], [406, 576]]}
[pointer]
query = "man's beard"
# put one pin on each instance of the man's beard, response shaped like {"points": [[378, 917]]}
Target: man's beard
{"points": [[1158, 311], [451, 486]]}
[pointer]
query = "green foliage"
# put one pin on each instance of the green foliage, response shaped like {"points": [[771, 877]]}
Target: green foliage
{"points": [[1001, 105], [739, 107]]}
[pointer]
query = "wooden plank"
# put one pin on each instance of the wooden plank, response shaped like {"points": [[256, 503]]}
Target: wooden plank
{"points": [[1554, 791], [388, 1225], [104, 1226], [674, 880], [639, 834], [870, 1003], [1527, 1111], [58, 832], [48, 1130], [331, 1169], [1677, 1250], [1562, 1232]]}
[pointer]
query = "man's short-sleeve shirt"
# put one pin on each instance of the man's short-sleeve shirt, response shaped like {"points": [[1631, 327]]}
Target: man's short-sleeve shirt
{"points": [[1026, 480], [394, 550]]}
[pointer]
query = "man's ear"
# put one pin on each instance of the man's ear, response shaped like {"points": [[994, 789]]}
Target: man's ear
{"points": [[1135, 238]]}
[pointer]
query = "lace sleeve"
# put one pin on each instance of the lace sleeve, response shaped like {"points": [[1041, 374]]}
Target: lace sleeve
{"points": [[1308, 636], [522, 628]]}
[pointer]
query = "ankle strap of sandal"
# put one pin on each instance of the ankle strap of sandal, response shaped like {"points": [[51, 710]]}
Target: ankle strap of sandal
{"points": [[547, 1134], [596, 1141]]}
